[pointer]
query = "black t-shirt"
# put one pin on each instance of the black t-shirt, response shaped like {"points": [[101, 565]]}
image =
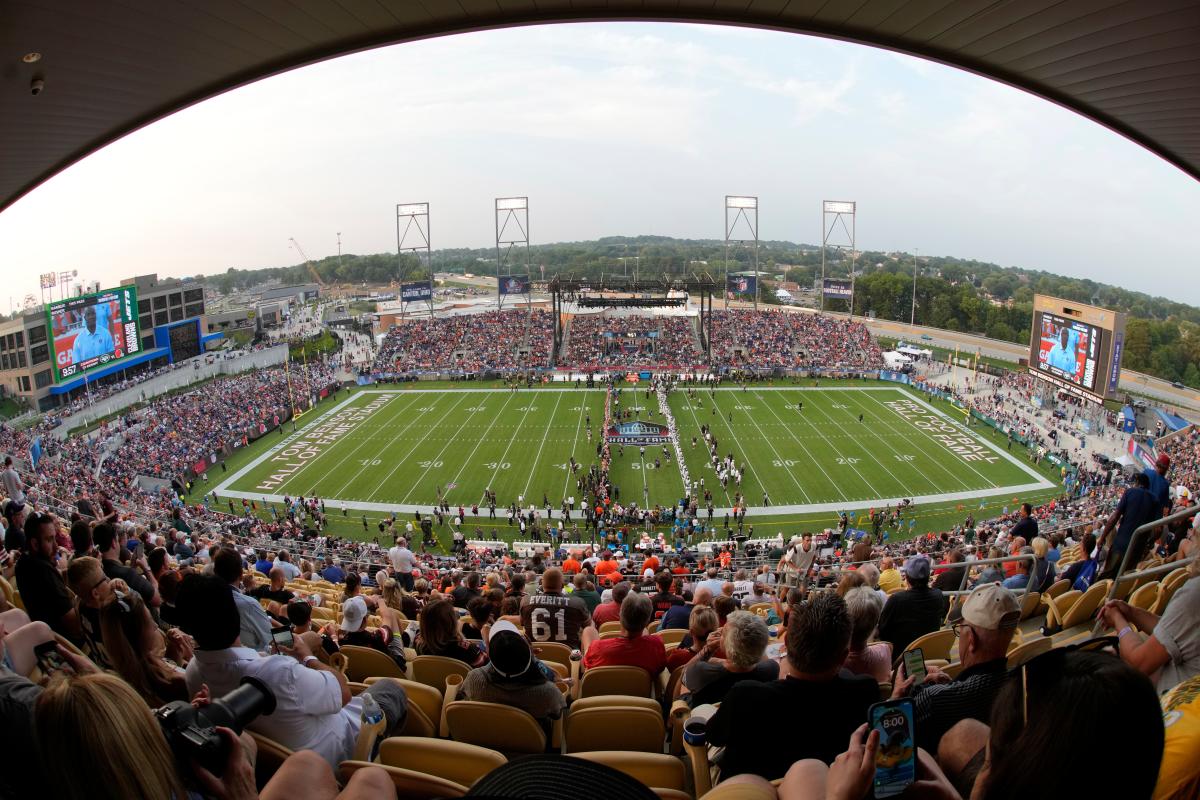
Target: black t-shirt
{"points": [[462, 595], [115, 570], [265, 592], [909, 614], [663, 601], [14, 538], [43, 591], [710, 681], [835, 708]]}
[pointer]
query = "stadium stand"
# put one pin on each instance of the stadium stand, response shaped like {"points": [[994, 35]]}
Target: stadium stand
{"points": [[768, 339], [467, 343]]}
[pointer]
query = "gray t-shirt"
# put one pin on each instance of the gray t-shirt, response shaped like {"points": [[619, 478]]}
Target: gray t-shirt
{"points": [[710, 681], [541, 700], [1179, 633], [12, 484]]}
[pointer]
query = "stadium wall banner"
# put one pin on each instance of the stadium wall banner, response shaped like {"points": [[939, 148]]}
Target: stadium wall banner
{"points": [[741, 284], [416, 292], [1114, 368], [514, 284], [637, 433], [836, 287], [894, 377]]}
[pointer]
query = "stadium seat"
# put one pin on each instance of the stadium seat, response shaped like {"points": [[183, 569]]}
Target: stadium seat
{"points": [[1144, 597], [1083, 609], [365, 662], [653, 626], [761, 609], [508, 730], [433, 670], [553, 651], [410, 784], [936, 644], [615, 727], [671, 635], [271, 755], [424, 708], [10, 594], [1027, 650], [610, 635], [605, 627], [1030, 603], [1167, 589], [1057, 588], [453, 761], [321, 614], [650, 769], [633, 681]]}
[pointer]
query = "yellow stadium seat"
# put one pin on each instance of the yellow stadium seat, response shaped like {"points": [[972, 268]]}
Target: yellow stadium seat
{"points": [[1030, 603], [1057, 588], [672, 635], [650, 769], [935, 644], [453, 761], [432, 670], [610, 626], [761, 609], [365, 662], [1167, 589], [424, 708], [1144, 597], [633, 681], [271, 755], [410, 784], [556, 652], [610, 635], [653, 626], [615, 727], [505, 729], [1084, 607], [1028, 650]]}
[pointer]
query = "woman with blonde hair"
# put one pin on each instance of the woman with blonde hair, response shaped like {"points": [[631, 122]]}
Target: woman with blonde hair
{"points": [[149, 661], [399, 600], [115, 747]]}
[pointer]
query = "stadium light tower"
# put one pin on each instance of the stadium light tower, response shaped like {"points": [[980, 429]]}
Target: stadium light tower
{"points": [[512, 230], [912, 323], [744, 209], [414, 238], [833, 216]]}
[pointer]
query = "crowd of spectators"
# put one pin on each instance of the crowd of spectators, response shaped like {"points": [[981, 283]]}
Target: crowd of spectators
{"points": [[768, 339], [467, 343], [597, 342]]}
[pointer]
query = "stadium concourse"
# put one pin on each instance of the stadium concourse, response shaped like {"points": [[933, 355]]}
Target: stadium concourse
{"points": [[418, 670]]}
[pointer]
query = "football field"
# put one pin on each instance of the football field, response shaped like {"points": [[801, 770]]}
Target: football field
{"points": [[810, 449]]}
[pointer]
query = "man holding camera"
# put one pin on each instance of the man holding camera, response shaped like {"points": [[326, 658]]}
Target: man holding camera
{"points": [[313, 706]]}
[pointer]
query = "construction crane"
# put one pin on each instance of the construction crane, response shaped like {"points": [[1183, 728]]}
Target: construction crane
{"points": [[316, 276]]}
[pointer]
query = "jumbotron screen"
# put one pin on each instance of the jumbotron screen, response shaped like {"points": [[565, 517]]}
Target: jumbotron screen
{"points": [[1069, 349], [93, 330]]}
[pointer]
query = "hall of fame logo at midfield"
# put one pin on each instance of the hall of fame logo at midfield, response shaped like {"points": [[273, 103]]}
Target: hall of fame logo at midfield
{"points": [[637, 433]]}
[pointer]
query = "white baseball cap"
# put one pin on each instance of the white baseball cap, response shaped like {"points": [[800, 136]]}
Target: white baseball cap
{"points": [[354, 611]]}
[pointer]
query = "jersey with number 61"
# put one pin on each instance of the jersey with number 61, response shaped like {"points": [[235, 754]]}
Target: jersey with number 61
{"points": [[555, 618]]}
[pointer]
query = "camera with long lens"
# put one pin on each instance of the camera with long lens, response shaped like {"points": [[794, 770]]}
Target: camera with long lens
{"points": [[192, 732]]}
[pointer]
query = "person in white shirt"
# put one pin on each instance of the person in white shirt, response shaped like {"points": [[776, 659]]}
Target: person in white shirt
{"points": [[13, 486], [403, 561], [314, 709], [797, 561]]}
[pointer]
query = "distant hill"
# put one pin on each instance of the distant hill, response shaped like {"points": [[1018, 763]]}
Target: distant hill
{"points": [[1162, 337]]}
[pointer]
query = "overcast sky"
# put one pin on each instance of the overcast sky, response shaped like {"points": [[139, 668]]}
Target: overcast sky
{"points": [[615, 129]]}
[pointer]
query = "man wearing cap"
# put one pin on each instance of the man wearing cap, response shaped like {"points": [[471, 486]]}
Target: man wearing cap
{"points": [[797, 561], [513, 677], [914, 611], [385, 638], [1160, 487], [984, 624]]}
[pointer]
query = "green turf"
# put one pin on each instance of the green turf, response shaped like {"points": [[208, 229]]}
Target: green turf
{"points": [[398, 445]]}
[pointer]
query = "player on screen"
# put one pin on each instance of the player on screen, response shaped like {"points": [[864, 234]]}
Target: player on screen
{"points": [[93, 341], [1062, 355]]}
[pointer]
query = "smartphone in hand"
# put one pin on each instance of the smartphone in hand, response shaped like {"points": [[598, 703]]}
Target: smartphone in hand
{"points": [[49, 660], [896, 760], [914, 665], [283, 637]]}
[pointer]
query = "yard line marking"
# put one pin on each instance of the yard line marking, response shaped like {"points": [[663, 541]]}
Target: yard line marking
{"points": [[815, 462], [400, 462], [433, 460], [707, 461], [366, 440], [508, 447], [870, 488], [886, 419], [770, 444], [538, 456], [480, 441], [392, 440], [574, 444]]}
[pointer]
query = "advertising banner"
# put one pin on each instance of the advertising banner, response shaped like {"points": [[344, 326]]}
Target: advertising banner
{"points": [[420, 291], [637, 433], [837, 287], [514, 284]]}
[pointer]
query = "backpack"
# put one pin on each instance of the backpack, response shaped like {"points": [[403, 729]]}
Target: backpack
{"points": [[1084, 579]]}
